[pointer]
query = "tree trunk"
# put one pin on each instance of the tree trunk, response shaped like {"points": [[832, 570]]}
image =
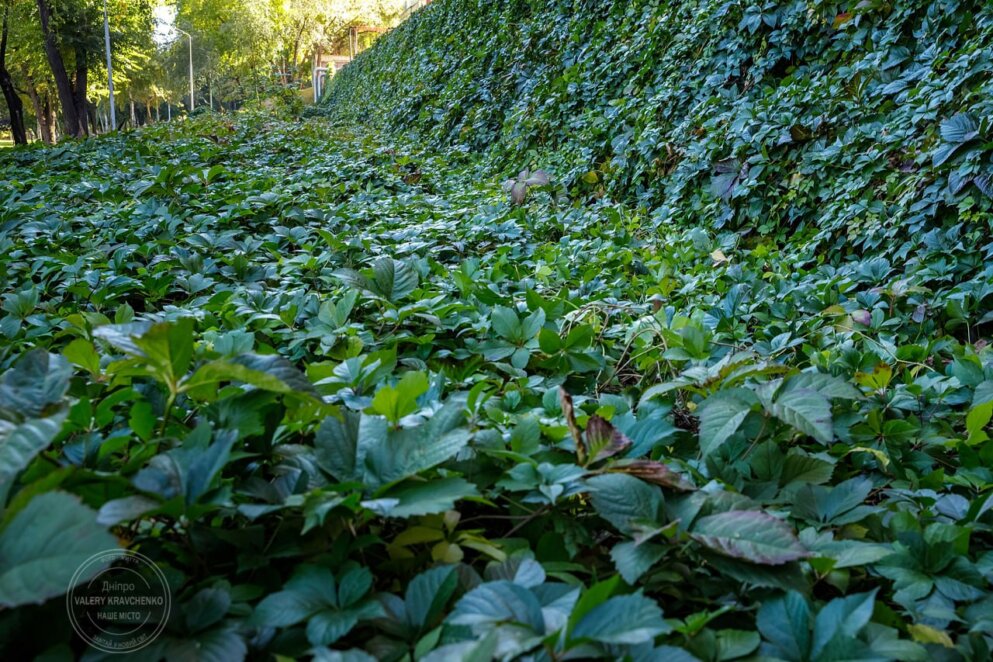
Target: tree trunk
{"points": [[90, 111], [296, 48], [75, 124], [14, 104], [36, 104], [41, 111], [79, 89], [53, 126]]}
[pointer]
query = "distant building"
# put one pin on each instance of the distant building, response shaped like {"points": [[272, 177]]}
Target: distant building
{"points": [[332, 63], [326, 65]]}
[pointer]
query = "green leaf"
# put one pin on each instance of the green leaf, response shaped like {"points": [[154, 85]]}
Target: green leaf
{"points": [[960, 128], [37, 381], [201, 461], [750, 535], [622, 500], [499, 602], [624, 619], [734, 644], [428, 593], [82, 353], [270, 372], [520, 358], [286, 608], [392, 455], [394, 280], [579, 337], [721, 415], [125, 509], [20, 443], [481, 650], [41, 548], [806, 410], [843, 553], [532, 324], [328, 626], [506, 323], [206, 608], [549, 341], [829, 386], [525, 438], [396, 402], [122, 336], [983, 393], [956, 131], [976, 420], [168, 348], [213, 645], [633, 560], [837, 505], [352, 655], [142, 419], [391, 279], [191, 469], [353, 586], [841, 619], [311, 589], [520, 570], [785, 623], [755, 575], [414, 499], [341, 444], [800, 467]]}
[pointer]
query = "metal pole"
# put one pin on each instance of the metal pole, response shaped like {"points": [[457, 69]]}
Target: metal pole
{"points": [[110, 68], [193, 103], [192, 99]]}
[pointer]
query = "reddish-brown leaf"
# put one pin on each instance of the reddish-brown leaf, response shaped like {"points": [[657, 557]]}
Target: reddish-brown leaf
{"points": [[570, 418], [657, 473], [604, 440]]}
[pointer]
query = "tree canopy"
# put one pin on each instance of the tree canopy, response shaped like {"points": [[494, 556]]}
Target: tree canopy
{"points": [[54, 69]]}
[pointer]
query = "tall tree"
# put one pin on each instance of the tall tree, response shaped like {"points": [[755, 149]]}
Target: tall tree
{"points": [[14, 104], [72, 93]]}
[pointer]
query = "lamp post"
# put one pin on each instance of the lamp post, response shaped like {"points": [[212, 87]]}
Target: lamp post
{"points": [[190, 37], [110, 68]]}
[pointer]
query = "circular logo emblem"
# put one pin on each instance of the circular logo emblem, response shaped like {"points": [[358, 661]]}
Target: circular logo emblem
{"points": [[118, 601]]}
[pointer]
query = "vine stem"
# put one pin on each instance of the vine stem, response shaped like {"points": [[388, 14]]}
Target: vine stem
{"points": [[541, 511]]}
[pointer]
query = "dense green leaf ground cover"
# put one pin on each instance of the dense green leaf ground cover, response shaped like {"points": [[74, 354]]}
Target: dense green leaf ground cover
{"points": [[319, 379], [721, 390], [758, 116]]}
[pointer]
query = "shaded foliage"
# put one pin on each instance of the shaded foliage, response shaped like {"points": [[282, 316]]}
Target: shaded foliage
{"points": [[344, 408], [865, 121]]}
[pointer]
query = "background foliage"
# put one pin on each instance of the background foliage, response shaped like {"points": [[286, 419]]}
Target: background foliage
{"points": [[763, 117], [357, 399]]}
